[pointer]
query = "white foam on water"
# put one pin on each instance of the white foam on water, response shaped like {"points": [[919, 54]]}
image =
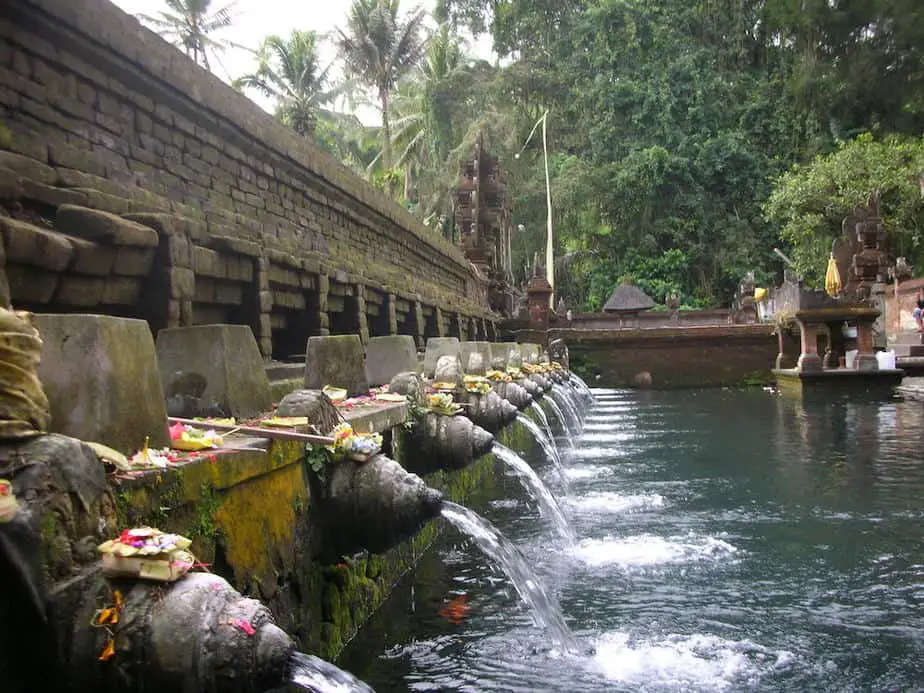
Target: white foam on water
{"points": [[610, 437], [607, 424], [586, 472], [505, 503], [646, 550], [686, 662], [598, 452], [604, 502]]}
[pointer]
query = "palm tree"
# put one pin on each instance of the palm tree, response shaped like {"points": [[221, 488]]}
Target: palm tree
{"points": [[189, 24], [378, 48], [289, 72], [425, 104]]}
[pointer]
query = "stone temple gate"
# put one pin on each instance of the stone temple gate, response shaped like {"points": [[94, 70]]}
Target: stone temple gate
{"points": [[135, 183]]}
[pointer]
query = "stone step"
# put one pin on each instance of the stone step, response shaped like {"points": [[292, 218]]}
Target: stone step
{"points": [[277, 370], [908, 350], [907, 337]]}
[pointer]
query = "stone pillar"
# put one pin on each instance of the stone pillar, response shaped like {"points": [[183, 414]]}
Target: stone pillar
{"points": [[866, 352], [835, 348], [262, 322], [362, 320], [392, 314], [440, 322], [809, 360], [420, 324], [323, 315]]}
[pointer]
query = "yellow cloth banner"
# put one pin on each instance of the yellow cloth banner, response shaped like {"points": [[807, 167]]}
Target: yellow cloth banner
{"points": [[832, 278]]}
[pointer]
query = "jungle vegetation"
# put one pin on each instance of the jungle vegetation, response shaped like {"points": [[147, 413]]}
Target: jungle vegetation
{"points": [[687, 138]]}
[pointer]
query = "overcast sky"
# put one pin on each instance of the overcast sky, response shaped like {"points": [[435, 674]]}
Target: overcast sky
{"points": [[258, 18]]}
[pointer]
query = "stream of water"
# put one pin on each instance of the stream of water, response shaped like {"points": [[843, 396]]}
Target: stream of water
{"points": [[547, 443], [537, 489], [727, 541]]}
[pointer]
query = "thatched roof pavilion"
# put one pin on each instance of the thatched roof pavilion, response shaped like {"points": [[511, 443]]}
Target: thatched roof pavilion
{"points": [[627, 298]]}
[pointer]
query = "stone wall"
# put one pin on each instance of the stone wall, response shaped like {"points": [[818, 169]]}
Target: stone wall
{"points": [[899, 304], [269, 550], [133, 182], [675, 357]]}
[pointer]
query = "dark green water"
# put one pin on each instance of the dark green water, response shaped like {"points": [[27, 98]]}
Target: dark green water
{"points": [[727, 540]]}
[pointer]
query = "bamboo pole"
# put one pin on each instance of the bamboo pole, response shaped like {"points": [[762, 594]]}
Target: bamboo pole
{"points": [[256, 431]]}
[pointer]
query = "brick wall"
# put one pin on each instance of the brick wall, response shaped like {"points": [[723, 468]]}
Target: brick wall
{"points": [[707, 356], [252, 224]]}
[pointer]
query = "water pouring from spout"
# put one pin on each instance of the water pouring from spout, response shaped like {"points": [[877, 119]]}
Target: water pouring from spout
{"points": [[560, 415], [572, 418], [497, 547], [548, 447], [548, 506], [314, 674]]}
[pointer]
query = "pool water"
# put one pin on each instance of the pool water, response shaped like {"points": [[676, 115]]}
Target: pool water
{"points": [[727, 540]]}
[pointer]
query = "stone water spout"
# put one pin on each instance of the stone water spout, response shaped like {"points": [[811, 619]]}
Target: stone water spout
{"points": [[490, 411], [513, 393], [374, 505], [541, 381], [446, 442], [181, 635], [197, 635], [533, 388]]}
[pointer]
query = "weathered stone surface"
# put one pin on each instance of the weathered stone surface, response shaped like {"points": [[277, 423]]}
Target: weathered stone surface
{"points": [[446, 442], [81, 292], [10, 185], [121, 291], [448, 370], [50, 195], [133, 261], [388, 356], [91, 258], [514, 355], [408, 384], [95, 225], [314, 404], [212, 368], [530, 352], [337, 361], [31, 245], [28, 285], [375, 505], [28, 168], [499, 352], [100, 374], [436, 347], [483, 349]]}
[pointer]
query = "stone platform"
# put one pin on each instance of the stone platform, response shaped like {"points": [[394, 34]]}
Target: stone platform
{"points": [[838, 382]]}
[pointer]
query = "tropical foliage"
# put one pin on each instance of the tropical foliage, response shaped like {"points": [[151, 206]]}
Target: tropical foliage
{"points": [[192, 25], [686, 138], [288, 71]]}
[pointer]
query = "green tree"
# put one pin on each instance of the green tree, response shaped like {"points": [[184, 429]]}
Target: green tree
{"points": [[425, 110], [378, 48], [191, 26], [288, 71], [810, 201]]}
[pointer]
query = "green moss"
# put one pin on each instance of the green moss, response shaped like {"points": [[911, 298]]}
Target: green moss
{"points": [[6, 137], [758, 379], [205, 525]]}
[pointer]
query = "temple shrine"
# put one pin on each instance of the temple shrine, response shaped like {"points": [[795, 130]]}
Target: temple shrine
{"points": [[838, 329]]}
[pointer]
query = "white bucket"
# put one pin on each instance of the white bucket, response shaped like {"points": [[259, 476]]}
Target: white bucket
{"points": [[850, 358], [886, 360]]}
